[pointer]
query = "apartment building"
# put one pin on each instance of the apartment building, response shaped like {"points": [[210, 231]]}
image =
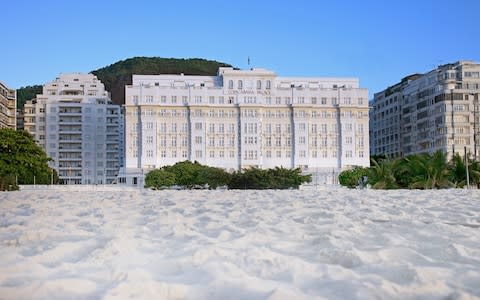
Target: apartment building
{"points": [[77, 125], [246, 118], [8, 107], [428, 112]]}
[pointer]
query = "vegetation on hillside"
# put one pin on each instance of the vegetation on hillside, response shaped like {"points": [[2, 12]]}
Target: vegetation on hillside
{"points": [[22, 161], [119, 74], [27, 93], [418, 171], [194, 175]]}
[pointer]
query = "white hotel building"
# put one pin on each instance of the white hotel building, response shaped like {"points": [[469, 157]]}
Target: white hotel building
{"points": [[77, 125], [246, 118]]}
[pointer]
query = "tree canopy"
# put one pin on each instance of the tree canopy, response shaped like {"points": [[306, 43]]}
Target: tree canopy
{"points": [[191, 175], [417, 171], [22, 160]]}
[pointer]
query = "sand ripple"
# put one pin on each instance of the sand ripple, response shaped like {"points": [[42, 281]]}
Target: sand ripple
{"points": [[326, 244]]}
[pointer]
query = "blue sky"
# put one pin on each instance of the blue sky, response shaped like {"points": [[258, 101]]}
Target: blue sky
{"points": [[378, 42]]}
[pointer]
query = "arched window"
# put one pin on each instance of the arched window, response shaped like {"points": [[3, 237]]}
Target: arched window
{"points": [[259, 84], [240, 84], [268, 85], [230, 84]]}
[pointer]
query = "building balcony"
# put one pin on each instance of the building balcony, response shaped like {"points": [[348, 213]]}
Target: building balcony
{"points": [[71, 121], [69, 167], [69, 113], [69, 158], [70, 130], [70, 140]]}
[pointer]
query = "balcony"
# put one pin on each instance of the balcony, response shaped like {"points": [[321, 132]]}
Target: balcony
{"points": [[64, 120], [70, 138], [69, 158], [70, 112]]}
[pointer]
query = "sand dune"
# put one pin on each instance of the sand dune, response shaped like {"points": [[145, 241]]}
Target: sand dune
{"points": [[324, 244]]}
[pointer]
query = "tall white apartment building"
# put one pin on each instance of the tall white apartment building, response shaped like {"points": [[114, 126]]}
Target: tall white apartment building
{"points": [[433, 111], [8, 107], [246, 118], [77, 125]]}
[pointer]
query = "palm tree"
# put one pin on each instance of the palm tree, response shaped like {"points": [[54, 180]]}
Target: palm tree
{"points": [[381, 174], [429, 171], [474, 171], [458, 171]]}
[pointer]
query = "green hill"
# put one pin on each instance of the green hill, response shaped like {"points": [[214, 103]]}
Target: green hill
{"points": [[119, 74]]}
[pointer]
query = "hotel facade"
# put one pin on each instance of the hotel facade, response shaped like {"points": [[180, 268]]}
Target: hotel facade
{"points": [[77, 125], [246, 118], [429, 112], [8, 107]]}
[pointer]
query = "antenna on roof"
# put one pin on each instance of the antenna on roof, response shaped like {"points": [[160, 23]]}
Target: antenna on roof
{"points": [[248, 61]]}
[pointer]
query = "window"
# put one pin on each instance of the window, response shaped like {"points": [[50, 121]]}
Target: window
{"points": [[259, 84], [198, 126], [198, 153], [314, 100], [278, 141], [163, 141], [198, 140], [240, 84], [149, 99], [163, 99], [268, 141], [230, 84], [174, 99], [268, 85], [211, 100], [301, 140]]}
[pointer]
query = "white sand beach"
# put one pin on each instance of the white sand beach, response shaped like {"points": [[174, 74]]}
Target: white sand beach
{"points": [[311, 244]]}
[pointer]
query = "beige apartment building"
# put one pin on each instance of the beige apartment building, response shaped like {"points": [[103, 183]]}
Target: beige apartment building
{"points": [[438, 110], [8, 107]]}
